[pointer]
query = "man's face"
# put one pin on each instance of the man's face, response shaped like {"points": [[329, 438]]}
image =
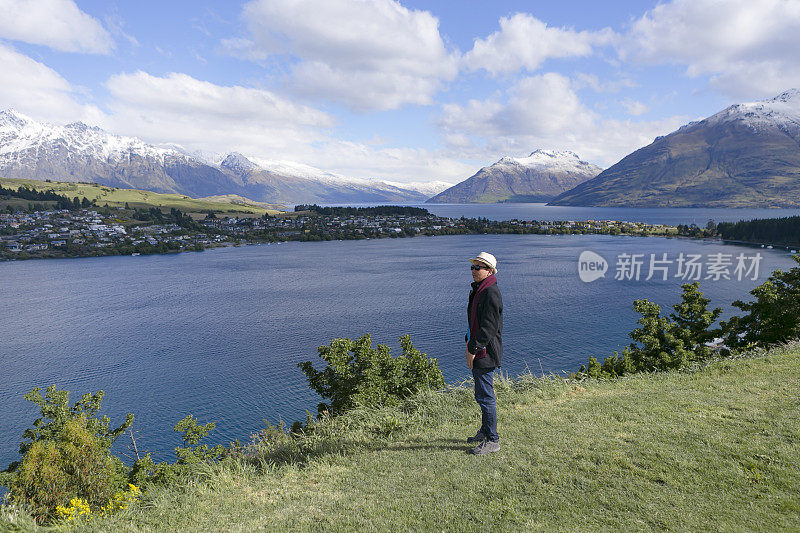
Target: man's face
{"points": [[482, 271]]}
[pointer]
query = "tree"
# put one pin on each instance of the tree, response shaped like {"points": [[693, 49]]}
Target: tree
{"points": [[773, 317], [663, 342], [662, 346], [694, 320]]}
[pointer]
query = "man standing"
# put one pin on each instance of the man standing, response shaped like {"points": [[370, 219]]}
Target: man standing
{"points": [[485, 346]]}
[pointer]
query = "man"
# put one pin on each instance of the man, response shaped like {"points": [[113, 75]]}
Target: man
{"points": [[485, 346]]}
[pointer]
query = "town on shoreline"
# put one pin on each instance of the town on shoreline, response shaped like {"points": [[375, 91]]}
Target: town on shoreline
{"points": [[100, 231]]}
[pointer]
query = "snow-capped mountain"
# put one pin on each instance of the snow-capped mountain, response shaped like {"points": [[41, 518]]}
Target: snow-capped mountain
{"points": [[77, 152], [541, 176], [782, 112], [747, 155], [427, 188], [300, 170], [289, 182], [20, 134]]}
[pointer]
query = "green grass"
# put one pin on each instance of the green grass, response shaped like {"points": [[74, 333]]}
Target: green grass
{"points": [[141, 199], [715, 449]]}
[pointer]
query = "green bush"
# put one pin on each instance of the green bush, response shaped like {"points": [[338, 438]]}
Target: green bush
{"points": [[664, 342], [76, 465], [66, 455], [145, 472], [357, 374], [773, 317]]}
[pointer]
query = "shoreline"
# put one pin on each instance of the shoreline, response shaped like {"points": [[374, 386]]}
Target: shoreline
{"points": [[235, 245]]}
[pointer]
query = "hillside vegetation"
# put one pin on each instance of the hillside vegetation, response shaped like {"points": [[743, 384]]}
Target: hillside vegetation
{"points": [[115, 197], [716, 448]]}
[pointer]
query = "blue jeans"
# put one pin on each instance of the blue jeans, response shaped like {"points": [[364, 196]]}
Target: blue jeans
{"points": [[484, 395]]}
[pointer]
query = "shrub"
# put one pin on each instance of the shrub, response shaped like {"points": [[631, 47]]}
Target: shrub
{"points": [[146, 472], [56, 412], [74, 464], [65, 455], [359, 375]]}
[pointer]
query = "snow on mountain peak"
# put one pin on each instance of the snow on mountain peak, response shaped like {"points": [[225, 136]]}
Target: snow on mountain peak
{"points": [[568, 154], [80, 126], [13, 119], [428, 188], [782, 111], [552, 160], [238, 163], [786, 96], [19, 133]]}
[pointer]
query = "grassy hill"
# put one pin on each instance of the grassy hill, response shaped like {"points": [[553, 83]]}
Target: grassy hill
{"points": [[714, 449], [115, 197]]}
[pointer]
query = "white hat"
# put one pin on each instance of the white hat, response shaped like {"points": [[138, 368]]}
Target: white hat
{"points": [[487, 259]]}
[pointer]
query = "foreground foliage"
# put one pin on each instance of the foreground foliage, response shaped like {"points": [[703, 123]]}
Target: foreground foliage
{"points": [[663, 342], [714, 449], [357, 374], [68, 472], [65, 455], [774, 315]]}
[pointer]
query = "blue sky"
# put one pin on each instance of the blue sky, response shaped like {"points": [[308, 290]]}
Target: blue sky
{"points": [[405, 91]]}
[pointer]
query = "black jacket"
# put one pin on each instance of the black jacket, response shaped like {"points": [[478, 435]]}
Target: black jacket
{"points": [[490, 320]]}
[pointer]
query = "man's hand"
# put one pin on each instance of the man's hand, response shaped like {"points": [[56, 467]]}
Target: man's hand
{"points": [[470, 358]]}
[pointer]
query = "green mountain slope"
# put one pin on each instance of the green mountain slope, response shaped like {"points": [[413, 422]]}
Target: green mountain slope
{"points": [[745, 156]]}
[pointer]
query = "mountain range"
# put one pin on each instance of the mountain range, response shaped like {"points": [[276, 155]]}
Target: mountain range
{"points": [[540, 177], [747, 155], [77, 152]]}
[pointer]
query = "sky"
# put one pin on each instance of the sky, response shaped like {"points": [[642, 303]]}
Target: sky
{"points": [[408, 91]]}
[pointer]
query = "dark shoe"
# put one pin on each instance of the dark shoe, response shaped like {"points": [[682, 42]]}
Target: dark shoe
{"points": [[479, 437], [485, 447]]}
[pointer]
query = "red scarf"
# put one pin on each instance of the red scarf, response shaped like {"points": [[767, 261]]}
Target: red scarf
{"points": [[474, 327]]}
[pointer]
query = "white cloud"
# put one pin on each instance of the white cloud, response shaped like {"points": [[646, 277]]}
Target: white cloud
{"points": [[544, 111], [359, 160], [634, 107], [747, 47], [201, 115], [525, 42], [39, 91], [367, 54], [582, 79], [59, 24]]}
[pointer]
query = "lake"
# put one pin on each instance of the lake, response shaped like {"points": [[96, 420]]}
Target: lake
{"points": [[218, 334], [651, 215]]}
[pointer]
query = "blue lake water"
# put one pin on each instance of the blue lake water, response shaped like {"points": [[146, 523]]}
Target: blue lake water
{"points": [[650, 215], [218, 334]]}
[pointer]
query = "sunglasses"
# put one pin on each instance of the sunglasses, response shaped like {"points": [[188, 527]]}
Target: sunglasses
{"points": [[476, 267]]}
